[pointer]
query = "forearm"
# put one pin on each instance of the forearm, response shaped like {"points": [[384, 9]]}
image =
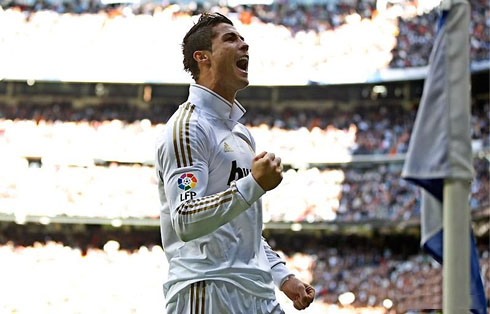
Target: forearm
{"points": [[279, 270], [280, 273], [198, 217]]}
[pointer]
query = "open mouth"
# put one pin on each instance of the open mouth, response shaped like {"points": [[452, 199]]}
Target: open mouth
{"points": [[242, 63]]}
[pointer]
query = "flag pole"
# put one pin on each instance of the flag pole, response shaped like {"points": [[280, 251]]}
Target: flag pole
{"points": [[456, 246], [439, 160]]}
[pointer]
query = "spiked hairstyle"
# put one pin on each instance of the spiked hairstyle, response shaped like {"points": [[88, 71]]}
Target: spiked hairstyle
{"points": [[199, 37]]}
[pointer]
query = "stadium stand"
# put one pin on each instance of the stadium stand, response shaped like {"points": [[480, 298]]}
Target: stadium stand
{"points": [[416, 35], [78, 202], [342, 41], [45, 142], [109, 260], [360, 130], [89, 162]]}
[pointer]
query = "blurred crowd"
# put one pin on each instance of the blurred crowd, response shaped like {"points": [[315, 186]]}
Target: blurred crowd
{"points": [[338, 41], [58, 277], [384, 129], [310, 195], [127, 133], [415, 40], [412, 282], [416, 37], [347, 195], [96, 162], [109, 192]]}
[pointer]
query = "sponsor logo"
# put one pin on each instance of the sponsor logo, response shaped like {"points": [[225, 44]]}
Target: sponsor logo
{"points": [[187, 181], [237, 172]]}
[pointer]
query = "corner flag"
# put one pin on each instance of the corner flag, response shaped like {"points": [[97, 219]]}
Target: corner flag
{"points": [[440, 147]]}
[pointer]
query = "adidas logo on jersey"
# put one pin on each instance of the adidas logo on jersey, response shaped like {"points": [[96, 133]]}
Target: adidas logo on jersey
{"points": [[227, 148]]}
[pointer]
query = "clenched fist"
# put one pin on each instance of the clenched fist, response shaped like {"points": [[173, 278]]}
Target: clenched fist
{"points": [[267, 170], [302, 294]]}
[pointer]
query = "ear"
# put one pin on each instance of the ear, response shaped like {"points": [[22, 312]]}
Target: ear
{"points": [[201, 57]]}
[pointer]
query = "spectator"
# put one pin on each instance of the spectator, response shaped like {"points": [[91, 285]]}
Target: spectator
{"points": [[334, 42]]}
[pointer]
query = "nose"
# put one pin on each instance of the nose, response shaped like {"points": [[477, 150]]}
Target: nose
{"points": [[244, 46]]}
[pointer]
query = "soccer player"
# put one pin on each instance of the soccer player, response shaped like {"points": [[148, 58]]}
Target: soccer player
{"points": [[210, 184]]}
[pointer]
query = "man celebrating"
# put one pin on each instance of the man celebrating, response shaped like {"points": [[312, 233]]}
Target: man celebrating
{"points": [[210, 184]]}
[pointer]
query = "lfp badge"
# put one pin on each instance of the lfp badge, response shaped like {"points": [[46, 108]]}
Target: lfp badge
{"points": [[187, 181]]}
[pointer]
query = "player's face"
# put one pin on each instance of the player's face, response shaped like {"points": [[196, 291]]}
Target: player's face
{"points": [[229, 57]]}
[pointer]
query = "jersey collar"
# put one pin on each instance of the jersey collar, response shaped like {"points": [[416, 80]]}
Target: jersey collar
{"points": [[211, 102]]}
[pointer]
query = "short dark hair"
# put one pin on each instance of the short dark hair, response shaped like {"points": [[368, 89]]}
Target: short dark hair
{"points": [[199, 38]]}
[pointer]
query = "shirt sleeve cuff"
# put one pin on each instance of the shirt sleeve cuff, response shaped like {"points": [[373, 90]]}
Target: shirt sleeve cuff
{"points": [[249, 189], [280, 273]]}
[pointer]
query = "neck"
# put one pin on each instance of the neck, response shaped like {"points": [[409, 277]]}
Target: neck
{"points": [[226, 92]]}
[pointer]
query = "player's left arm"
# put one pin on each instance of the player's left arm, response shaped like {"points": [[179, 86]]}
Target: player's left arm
{"points": [[278, 266], [302, 294]]}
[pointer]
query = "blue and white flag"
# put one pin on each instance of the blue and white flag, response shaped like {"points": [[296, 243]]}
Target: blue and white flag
{"points": [[440, 146]]}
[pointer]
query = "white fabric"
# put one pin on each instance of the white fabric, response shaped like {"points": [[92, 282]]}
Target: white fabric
{"points": [[440, 144], [218, 297], [211, 223]]}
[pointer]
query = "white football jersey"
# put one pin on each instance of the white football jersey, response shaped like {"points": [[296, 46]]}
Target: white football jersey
{"points": [[211, 212]]}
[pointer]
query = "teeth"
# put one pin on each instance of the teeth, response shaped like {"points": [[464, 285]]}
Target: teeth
{"points": [[242, 63]]}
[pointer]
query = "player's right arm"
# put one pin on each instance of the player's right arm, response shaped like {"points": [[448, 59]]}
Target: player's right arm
{"points": [[183, 158]]}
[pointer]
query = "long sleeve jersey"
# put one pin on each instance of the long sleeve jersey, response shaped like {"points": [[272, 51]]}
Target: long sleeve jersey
{"points": [[211, 212]]}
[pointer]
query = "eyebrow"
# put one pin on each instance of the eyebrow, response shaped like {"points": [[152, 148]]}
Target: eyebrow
{"points": [[233, 34]]}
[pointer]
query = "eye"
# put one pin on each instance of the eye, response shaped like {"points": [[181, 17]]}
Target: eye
{"points": [[230, 37]]}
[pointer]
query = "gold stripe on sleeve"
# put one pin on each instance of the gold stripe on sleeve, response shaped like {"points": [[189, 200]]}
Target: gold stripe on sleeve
{"points": [[181, 136], [187, 134], [195, 211], [176, 151], [204, 201], [201, 202]]}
